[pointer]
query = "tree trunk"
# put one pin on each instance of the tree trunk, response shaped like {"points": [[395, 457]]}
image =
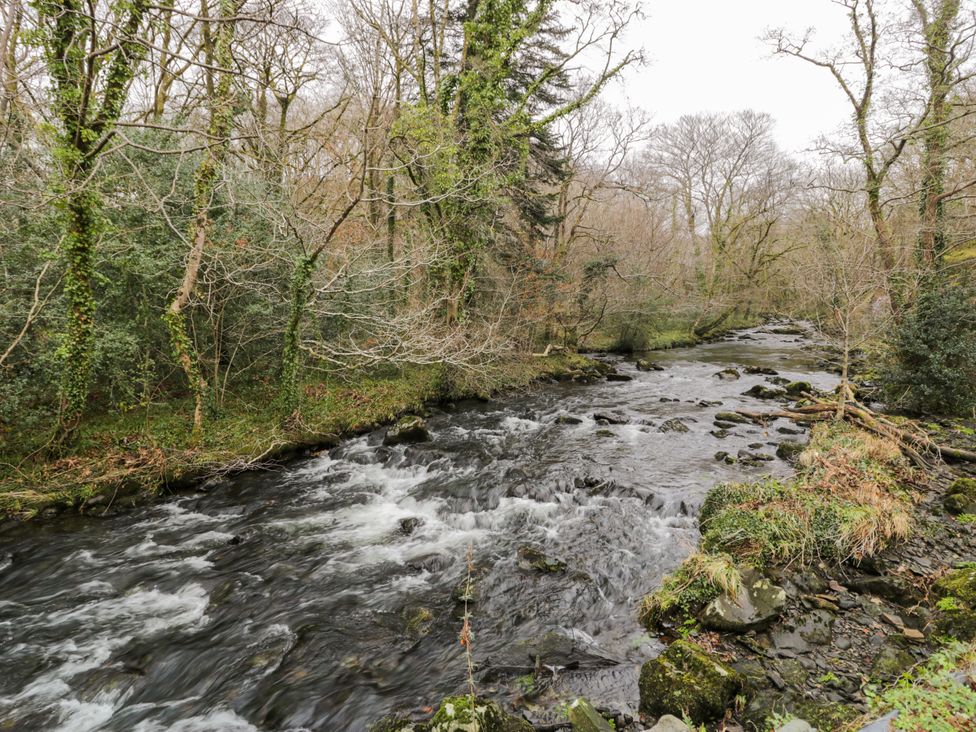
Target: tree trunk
{"points": [[221, 118], [291, 359]]}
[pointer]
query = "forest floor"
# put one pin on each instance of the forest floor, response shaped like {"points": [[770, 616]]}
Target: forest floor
{"points": [[124, 457]]}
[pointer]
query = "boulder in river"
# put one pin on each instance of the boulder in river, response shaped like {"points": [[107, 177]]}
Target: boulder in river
{"points": [[407, 430], [585, 718], [532, 558], [729, 374], [798, 388], [761, 391], [757, 604], [763, 370], [645, 365], [610, 418], [619, 377], [733, 417], [688, 681], [568, 419], [673, 425]]}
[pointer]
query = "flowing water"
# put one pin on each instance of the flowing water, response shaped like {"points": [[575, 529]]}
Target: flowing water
{"points": [[320, 596]]}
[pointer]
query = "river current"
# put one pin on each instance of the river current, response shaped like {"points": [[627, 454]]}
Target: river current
{"points": [[321, 596]]}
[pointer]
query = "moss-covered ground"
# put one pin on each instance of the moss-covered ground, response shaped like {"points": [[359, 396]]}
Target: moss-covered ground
{"points": [[130, 455]]}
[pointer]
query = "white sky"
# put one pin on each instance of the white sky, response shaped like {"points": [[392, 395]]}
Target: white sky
{"points": [[706, 56]]}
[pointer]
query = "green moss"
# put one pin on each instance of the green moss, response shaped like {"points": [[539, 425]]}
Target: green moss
{"points": [[465, 714], [134, 453], [687, 681], [956, 606], [700, 579]]}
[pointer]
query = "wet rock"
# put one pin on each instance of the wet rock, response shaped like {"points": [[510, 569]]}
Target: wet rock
{"points": [[956, 606], [798, 388], [961, 497], [723, 425], [673, 425], [604, 433], [610, 418], [733, 417], [789, 450], [889, 587], [429, 562], [532, 558], [798, 330], [789, 431], [410, 524], [890, 663], [762, 370], [688, 681], [817, 627], [754, 456], [585, 718], [670, 723], [757, 604], [461, 714], [562, 647], [760, 391], [728, 374], [619, 377], [407, 430], [720, 434], [645, 365], [778, 380], [568, 419]]}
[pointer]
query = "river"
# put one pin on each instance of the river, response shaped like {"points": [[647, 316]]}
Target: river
{"points": [[319, 596]]}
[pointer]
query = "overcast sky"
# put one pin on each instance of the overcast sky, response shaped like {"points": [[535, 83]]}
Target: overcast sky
{"points": [[705, 55]]}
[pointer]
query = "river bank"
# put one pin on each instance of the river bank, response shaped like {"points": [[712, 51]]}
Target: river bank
{"points": [[136, 455], [816, 595]]}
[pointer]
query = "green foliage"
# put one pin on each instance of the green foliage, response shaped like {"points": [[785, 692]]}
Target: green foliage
{"points": [[932, 700], [932, 365]]}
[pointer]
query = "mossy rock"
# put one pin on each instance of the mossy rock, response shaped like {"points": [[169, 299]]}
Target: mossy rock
{"points": [[685, 680], [891, 663], [585, 718], [960, 498], [798, 388], [464, 714], [956, 607], [407, 430]]}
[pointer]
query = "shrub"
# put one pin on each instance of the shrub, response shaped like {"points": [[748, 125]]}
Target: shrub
{"points": [[932, 365]]}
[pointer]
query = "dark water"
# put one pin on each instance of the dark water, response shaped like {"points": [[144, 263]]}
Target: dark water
{"points": [[282, 600]]}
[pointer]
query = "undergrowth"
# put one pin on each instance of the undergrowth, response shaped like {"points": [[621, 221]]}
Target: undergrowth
{"points": [[934, 698]]}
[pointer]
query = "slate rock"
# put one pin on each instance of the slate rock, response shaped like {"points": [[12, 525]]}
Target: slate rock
{"points": [[758, 603]]}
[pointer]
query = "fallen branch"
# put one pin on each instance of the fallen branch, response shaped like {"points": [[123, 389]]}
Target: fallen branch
{"points": [[915, 443]]}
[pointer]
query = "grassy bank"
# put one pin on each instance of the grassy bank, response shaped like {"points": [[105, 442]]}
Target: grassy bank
{"points": [[847, 500], [659, 334], [136, 454]]}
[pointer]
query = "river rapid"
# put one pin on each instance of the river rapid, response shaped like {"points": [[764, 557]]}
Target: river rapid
{"points": [[320, 596]]}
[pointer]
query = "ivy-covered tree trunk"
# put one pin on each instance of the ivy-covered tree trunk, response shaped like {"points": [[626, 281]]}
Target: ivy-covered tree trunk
{"points": [[291, 360], [88, 100], [221, 120], [940, 64]]}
